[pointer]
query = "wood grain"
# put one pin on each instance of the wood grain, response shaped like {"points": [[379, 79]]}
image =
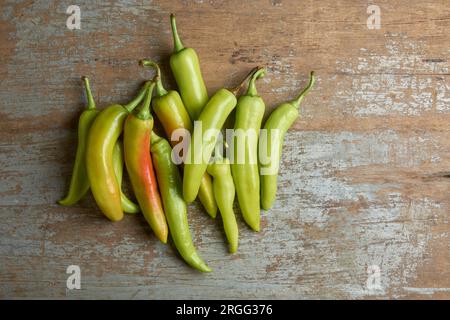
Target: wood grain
{"points": [[365, 178]]}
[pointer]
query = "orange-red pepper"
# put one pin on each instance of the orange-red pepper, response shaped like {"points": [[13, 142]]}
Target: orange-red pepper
{"points": [[102, 138], [136, 138]]}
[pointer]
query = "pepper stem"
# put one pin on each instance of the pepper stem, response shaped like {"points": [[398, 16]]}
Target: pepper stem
{"points": [[251, 91], [236, 90], [143, 111], [91, 102], [296, 102], [134, 103], [160, 90], [178, 45], [154, 138]]}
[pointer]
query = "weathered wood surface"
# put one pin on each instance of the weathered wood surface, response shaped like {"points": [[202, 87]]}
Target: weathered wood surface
{"points": [[365, 178]]}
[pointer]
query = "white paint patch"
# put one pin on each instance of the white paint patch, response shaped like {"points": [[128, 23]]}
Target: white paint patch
{"points": [[426, 291], [442, 97], [391, 232], [400, 82]]}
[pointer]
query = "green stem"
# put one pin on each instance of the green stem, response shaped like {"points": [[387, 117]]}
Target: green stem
{"points": [[143, 111], [91, 102], [236, 90], [296, 102], [251, 91], [160, 90], [155, 138], [133, 103], [178, 45]]}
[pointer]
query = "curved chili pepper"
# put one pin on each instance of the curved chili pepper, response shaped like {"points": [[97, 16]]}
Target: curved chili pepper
{"points": [[167, 104], [128, 206], [136, 140], [186, 70], [173, 115], [79, 183], [224, 192], [249, 113], [169, 181], [276, 126], [212, 117], [102, 137]]}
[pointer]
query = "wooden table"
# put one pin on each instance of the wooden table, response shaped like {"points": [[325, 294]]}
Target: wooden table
{"points": [[364, 191]]}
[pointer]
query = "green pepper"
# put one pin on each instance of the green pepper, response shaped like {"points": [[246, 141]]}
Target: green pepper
{"points": [[211, 121], [172, 114], [128, 206], [102, 137], [169, 182], [275, 127], [224, 192], [79, 183], [186, 70], [249, 114]]}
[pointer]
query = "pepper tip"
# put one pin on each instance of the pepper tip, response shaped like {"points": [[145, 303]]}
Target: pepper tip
{"points": [[115, 218], [256, 227], [163, 240], [62, 202], [205, 269]]}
